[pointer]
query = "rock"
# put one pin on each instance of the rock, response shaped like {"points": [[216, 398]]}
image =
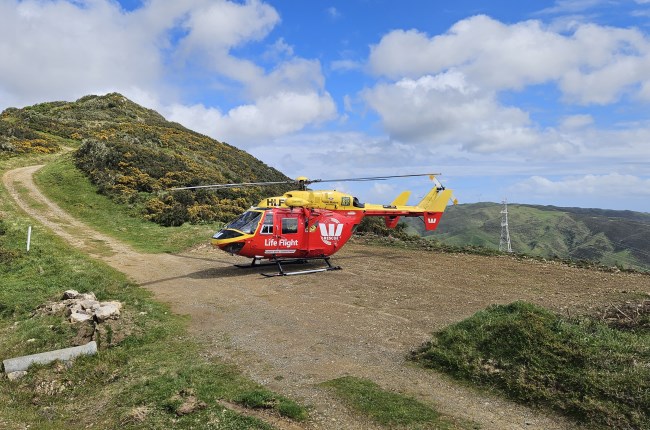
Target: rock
{"points": [[87, 296], [81, 307], [89, 304], [70, 294], [76, 317], [12, 376], [108, 310]]}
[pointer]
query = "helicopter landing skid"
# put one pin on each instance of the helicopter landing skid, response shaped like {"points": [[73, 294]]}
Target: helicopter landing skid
{"points": [[282, 272], [256, 263]]}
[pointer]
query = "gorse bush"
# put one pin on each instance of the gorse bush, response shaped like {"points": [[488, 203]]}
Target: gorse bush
{"points": [[134, 156]]}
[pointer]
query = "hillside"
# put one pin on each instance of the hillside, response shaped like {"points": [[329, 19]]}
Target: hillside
{"points": [[133, 155], [620, 238]]}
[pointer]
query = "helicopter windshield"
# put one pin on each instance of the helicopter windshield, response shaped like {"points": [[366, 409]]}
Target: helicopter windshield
{"points": [[247, 222]]}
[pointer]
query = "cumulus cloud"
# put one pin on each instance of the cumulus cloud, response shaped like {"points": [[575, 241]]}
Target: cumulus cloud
{"points": [[446, 109], [65, 49], [58, 50], [593, 64], [270, 117]]}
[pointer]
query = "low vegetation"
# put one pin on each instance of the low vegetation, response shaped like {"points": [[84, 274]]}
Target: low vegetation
{"points": [[595, 373], [390, 409], [150, 375], [134, 156]]}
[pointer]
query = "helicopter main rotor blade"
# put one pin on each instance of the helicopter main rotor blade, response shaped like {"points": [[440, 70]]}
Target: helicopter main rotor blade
{"points": [[300, 181], [372, 178], [243, 184]]}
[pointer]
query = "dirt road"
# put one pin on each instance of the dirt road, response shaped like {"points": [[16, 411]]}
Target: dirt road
{"points": [[292, 333]]}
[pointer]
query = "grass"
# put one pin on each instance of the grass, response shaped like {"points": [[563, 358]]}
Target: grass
{"points": [[390, 409], [74, 193], [596, 374], [139, 381]]}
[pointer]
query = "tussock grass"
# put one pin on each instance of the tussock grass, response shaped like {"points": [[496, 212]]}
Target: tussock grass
{"points": [[596, 374], [139, 382], [390, 409]]}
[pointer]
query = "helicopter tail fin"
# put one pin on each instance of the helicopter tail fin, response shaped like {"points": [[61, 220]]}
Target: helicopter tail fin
{"points": [[436, 200], [434, 204], [402, 199]]}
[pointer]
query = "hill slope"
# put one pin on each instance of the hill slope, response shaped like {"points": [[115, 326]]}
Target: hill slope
{"points": [[607, 236], [132, 154]]}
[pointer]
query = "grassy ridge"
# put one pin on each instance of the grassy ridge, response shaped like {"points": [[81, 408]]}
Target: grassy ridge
{"points": [[142, 380], [594, 373], [132, 154], [73, 192]]}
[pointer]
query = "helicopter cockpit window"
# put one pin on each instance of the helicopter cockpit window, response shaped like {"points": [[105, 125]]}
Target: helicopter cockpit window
{"points": [[267, 225], [289, 225], [247, 222]]}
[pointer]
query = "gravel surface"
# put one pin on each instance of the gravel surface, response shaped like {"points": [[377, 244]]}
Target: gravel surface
{"points": [[292, 333]]}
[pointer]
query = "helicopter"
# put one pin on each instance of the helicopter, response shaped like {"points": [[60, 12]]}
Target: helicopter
{"points": [[306, 225]]}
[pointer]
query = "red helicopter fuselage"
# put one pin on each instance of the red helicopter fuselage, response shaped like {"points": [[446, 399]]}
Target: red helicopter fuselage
{"points": [[288, 232], [316, 224]]}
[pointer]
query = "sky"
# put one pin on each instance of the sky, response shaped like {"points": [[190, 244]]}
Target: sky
{"points": [[543, 102]]}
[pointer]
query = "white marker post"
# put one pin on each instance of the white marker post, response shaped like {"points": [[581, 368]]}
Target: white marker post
{"points": [[29, 237]]}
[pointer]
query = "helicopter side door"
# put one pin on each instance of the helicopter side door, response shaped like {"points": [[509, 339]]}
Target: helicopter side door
{"points": [[288, 236]]}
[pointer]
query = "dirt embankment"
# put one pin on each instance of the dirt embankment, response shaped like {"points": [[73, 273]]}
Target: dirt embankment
{"points": [[292, 333]]}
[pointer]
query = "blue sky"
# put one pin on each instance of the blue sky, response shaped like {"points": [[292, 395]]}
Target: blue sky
{"points": [[541, 102]]}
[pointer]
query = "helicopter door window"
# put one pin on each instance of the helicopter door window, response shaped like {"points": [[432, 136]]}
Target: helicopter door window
{"points": [[289, 225], [267, 226]]}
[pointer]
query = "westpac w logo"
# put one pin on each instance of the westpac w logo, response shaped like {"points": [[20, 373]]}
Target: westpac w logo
{"points": [[330, 232]]}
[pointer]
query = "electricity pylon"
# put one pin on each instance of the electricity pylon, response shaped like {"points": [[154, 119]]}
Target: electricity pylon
{"points": [[504, 243]]}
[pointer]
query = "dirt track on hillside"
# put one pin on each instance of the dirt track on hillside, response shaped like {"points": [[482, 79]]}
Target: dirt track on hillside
{"points": [[292, 333]]}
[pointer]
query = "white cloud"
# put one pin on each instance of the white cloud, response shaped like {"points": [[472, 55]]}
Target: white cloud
{"points": [[445, 109], [333, 12], [594, 64], [67, 49], [218, 26], [576, 121], [572, 6], [606, 186], [345, 65], [59, 50], [277, 115]]}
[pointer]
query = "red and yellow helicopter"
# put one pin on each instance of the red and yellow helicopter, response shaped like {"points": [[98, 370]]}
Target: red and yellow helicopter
{"points": [[304, 224]]}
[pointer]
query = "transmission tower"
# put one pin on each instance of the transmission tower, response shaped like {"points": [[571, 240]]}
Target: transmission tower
{"points": [[504, 243]]}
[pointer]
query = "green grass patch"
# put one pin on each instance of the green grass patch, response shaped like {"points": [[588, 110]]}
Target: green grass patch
{"points": [[264, 399], [594, 373], [390, 409], [62, 182], [148, 372]]}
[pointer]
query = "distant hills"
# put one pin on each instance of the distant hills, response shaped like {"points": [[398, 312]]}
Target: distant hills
{"points": [[133, 155], [612, 238]]}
